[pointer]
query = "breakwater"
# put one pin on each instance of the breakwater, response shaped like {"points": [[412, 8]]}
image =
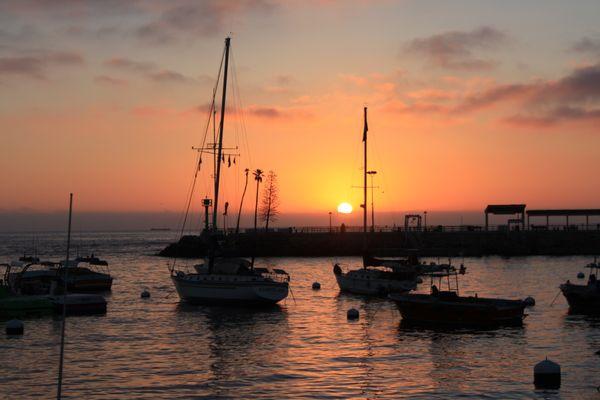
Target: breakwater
{"points": [[395, 243]]}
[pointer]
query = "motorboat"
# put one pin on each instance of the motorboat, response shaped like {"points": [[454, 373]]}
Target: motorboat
{"points": [[448, 309], [85, 274], [584, 299]]}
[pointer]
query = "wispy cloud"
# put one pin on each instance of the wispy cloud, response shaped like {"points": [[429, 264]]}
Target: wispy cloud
{"points": [[587, 45], [149, 70], [109, 80], [36, 64], [541, 103], [456, 49], [192, 19]]}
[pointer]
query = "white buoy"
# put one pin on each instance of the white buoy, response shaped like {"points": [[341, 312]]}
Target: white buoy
{"points": [[353, 313], [529, 301], [546, 375], [14, 327], [145, 294], [581, 275], [316, 286]]}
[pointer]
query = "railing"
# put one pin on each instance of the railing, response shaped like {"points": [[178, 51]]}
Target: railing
{"points": [[432, 228]]}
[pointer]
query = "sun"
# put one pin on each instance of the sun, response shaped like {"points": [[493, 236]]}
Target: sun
{"points": [[345, 208]]}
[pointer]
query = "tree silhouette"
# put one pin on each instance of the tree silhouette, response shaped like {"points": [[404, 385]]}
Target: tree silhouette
{"points": [[269, 209], [237, 225], [258, 177]]}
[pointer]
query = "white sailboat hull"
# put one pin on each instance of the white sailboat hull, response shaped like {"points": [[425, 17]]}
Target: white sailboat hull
{"points": [[366, 284], [227, 289]]}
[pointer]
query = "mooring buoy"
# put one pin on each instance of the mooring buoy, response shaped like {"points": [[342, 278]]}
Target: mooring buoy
{"points": [[14, 327], [546, 375], [145, 294], [529, 301], [581, 275], [316, 286], [353, 313]]}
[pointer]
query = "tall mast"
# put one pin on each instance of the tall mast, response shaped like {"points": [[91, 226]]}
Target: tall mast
{"points": [[64, 304], [365, 129], [220, 149]]}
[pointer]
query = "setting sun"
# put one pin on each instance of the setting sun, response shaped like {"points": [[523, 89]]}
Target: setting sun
{"points": [[345, 208]]}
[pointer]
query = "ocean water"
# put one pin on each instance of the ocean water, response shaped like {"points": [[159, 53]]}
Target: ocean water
{"points": [[158, 348]]}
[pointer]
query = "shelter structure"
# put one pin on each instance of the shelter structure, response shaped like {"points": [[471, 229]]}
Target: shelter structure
{"points": [[564, 213], [506, 209]]}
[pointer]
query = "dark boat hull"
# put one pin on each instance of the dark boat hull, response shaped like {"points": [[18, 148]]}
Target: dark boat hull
{"points": [[582, 299], [438, 311]]}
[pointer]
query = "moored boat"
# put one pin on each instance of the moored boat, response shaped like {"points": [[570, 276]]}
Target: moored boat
{"points": [[86, 274], [449, 309], [584, 299], [226, 280], [376, 276]]}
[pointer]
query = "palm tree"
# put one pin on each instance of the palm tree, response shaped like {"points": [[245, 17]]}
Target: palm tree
{"points": [[237, 226], [258, 174]]}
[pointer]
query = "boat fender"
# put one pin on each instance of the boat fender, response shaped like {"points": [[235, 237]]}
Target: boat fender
{"points": [[337, 269], [546, 375], [14, 327], [529, 301]]}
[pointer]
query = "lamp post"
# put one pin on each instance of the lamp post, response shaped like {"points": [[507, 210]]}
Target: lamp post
{"points": [[425, 224], [371, 174]]}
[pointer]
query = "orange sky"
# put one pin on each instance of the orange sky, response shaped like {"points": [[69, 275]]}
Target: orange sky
{"points": [[469, 104]]}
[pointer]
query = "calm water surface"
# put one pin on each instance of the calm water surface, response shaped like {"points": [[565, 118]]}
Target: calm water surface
{"points": [[159, 348]]}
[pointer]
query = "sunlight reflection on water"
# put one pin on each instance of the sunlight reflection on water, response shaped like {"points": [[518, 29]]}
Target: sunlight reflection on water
{"points": [[304, 348]]}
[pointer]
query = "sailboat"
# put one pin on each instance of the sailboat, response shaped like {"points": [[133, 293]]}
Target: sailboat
{"points": [[227, 280], [375, 277]]}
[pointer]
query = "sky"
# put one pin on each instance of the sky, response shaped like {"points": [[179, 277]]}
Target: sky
{"points": [[470, 103]]}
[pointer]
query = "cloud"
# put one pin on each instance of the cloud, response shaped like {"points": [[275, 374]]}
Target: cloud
{"points": [[265, 112], [455, 49], [108, 80], [553, 117], [541, 103], [36, 64], [193, 19], [167, 76], [130, 65], [150, 71], [587, 45]]}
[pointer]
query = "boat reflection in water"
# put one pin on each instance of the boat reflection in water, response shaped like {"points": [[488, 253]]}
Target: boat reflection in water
{"points": [[234, 342]]}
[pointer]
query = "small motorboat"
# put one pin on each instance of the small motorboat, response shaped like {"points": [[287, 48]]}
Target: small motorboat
{"points": [[15, 305], [441, 309], [85, 274], [584, 299]]}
